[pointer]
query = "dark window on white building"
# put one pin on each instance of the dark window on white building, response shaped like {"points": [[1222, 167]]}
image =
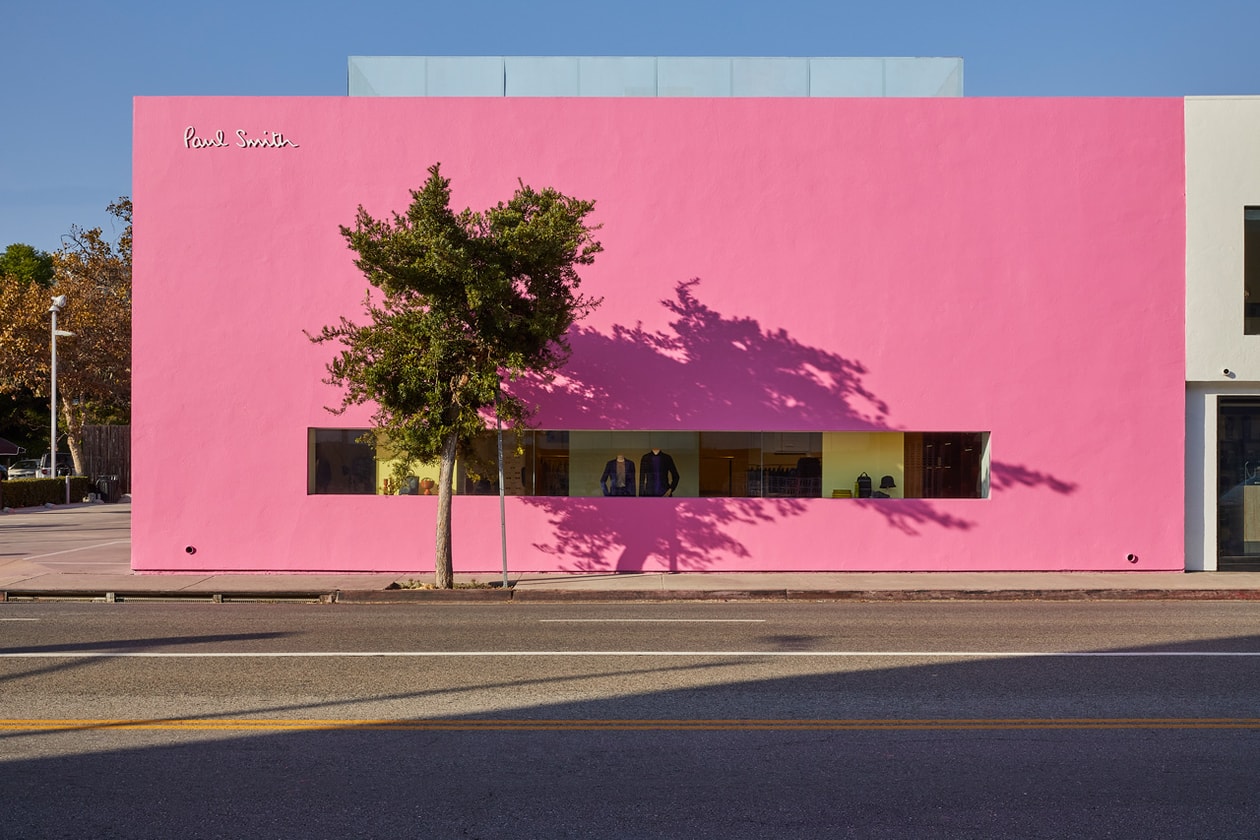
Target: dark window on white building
{"points": [[1251, 270]]}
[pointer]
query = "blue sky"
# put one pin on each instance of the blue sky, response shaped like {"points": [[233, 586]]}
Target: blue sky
{"points": [[70, 68]]}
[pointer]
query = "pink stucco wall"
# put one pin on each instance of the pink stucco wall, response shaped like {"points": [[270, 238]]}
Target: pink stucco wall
{"points": [[1012, 266]]}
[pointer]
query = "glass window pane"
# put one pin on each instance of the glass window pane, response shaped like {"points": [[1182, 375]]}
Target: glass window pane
{"points": [[664, 463], [947, 465], [791, 464], [1238, 483], [730, 464], [1251, 271], [477, 471], [420, 478], [849, 455], [339, 463], [550, 464], [682, 450], [589, 453]]}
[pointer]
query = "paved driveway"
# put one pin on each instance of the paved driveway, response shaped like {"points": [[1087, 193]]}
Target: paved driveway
{"points": [[79, 539]]}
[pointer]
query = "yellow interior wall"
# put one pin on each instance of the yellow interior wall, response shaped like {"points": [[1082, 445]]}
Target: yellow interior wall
{"points": [[385, 461], [848, 454]]}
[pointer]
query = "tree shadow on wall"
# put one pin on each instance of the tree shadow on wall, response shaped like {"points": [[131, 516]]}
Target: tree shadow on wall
{"points": [[705, 365], [682, 534]]}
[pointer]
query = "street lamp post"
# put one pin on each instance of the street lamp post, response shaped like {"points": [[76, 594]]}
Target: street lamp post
{"points": [[58, 303]]}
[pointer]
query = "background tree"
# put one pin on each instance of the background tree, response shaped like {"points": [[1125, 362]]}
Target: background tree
{"points": [[94, 366], [24, 416], [455, 301], [25, 264], [24, 421]]}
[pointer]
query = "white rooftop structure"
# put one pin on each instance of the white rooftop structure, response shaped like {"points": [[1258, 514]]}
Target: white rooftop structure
{"points": [[650, 76]]}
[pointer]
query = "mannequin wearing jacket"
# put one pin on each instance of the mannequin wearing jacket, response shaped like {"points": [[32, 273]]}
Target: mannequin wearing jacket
{"points": [[618, 477], [657, 474]]}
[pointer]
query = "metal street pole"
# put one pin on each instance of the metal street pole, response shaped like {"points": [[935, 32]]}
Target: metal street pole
{"points": [[498, 421], [57, 303]]}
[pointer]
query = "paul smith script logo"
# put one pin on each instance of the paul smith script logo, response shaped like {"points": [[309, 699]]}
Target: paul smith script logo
{"points": [[268, 140]]}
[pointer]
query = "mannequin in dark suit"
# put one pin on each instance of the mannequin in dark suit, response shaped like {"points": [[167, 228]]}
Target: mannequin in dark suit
{"points": [[657, 474], [618, 477]]}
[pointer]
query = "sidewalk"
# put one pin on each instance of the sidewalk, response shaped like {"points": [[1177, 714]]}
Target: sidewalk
{"points": [[83, 552]]}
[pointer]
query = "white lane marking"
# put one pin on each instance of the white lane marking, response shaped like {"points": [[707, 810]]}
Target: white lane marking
{"points": [[698, 654], [651, 621], [72, 550]]}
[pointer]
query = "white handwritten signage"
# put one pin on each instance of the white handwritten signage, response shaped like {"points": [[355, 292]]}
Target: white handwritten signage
{"points": [[241, 140]]}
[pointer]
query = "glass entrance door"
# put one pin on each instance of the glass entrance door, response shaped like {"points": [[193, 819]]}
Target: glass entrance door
{"points": [[1238, 484]]}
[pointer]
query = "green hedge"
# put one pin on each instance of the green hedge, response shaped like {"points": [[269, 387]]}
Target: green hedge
{"points": [[33, 492]]}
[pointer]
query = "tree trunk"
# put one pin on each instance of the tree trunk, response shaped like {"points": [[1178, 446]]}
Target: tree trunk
{"points": [[443, 566], [72, 427]]}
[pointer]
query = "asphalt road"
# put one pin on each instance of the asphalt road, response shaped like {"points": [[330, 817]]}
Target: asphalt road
{"points": [[630, 720]]}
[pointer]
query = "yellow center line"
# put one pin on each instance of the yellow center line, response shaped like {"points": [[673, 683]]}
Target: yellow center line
{"points": [[632, 725]]}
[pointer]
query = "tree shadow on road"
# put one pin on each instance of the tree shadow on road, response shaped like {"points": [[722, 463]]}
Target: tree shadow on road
{"points": [[985, 747]]}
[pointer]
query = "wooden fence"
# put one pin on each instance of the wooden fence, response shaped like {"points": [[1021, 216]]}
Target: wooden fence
{"points": [[107, 452]]}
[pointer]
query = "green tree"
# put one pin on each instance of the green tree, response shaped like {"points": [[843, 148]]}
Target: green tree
{"points": [[24, 420], [455, 302], [93, 366], [26, 265]]}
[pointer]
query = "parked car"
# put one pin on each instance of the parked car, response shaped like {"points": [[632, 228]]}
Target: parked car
{"points": [[65, 464], [25, 469]]}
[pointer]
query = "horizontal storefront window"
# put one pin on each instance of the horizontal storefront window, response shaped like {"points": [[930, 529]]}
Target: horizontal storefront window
{"points": [[837, 465]]}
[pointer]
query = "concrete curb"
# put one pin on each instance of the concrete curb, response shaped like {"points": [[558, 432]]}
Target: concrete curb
{"points": [[363, 597], [539, 596], [421, 596], [646, 595], [1028, 595], [119, 596]]}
